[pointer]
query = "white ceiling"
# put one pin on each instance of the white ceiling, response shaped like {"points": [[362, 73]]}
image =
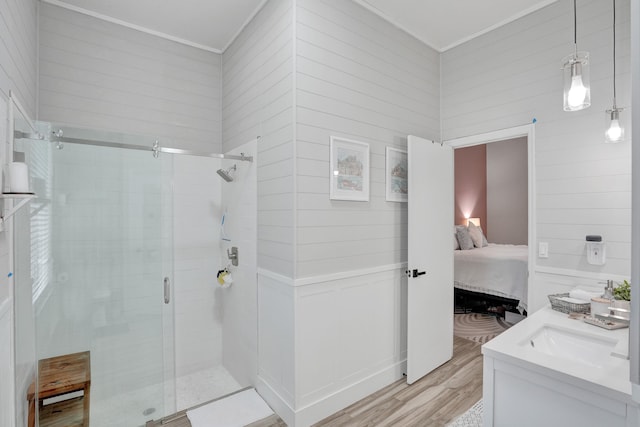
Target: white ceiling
{"points": [[208, 24], [213, 24], [443, 24]]}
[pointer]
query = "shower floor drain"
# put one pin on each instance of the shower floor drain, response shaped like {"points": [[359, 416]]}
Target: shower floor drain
{"points": [[148, 411]]}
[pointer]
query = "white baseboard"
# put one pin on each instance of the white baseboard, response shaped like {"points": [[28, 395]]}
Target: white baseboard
{"points": [[333, 403], [276, 402]]}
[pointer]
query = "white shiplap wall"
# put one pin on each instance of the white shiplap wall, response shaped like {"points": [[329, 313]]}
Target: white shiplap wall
{"points": [[358, 77], [18, 74], [19, 51], [257, 81], [95, 74], [511, 75]]}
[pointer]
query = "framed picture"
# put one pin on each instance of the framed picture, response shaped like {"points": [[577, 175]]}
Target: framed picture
{"points": [[349, 170], [396, 175]]}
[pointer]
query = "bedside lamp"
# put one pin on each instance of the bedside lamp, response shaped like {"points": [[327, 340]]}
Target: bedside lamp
{"points": [[474, 221]]}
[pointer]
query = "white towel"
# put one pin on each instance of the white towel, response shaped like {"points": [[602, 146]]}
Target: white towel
{"points": [[584, 295], [237, 410]]}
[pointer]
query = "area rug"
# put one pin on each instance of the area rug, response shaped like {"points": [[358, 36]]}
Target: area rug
{"points": [[471, 418], [237, 410], [478, 327]]}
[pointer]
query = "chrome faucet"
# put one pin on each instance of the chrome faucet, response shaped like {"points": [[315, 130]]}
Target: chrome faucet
{"points": [[620, 319]]}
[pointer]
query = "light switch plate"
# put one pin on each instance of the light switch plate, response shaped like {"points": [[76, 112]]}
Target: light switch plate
{"points": [[543, 250]]}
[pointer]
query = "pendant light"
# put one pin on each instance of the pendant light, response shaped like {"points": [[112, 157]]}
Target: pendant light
{"points": [[615, 131], [577, 94]]}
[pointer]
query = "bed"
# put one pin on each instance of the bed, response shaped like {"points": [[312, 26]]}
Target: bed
{"points": [[498, 270]]}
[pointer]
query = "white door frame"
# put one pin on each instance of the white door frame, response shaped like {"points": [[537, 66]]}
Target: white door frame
{"points": [[527, 131]]}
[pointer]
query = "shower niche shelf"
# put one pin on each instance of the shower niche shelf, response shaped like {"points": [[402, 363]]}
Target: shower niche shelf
{"points": [[21, 198]]}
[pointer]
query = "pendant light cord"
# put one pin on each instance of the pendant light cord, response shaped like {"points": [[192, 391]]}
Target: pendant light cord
{"points": [[575, 29], [614, 54]]}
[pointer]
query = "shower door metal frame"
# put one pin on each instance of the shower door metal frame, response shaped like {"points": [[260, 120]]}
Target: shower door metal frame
{"points": [[155, 148]]}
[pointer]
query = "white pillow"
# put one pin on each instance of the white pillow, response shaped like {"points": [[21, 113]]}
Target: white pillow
{"points": [[477, 236], [456, 245], [464, 238]]}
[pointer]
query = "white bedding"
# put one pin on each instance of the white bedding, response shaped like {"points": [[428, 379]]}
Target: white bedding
{"points": [[499, 270]]}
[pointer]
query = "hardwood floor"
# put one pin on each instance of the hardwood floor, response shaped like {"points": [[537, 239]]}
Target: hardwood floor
{"points": [[434, 400]]}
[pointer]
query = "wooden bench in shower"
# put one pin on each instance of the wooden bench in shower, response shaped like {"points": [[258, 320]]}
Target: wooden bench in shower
{"points": [[58, 376]]}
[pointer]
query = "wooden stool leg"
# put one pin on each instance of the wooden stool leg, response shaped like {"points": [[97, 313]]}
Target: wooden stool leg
{"points": [[85, 417], [32, 413]]}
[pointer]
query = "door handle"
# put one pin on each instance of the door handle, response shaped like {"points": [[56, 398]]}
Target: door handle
{"points": [[415, 273]]}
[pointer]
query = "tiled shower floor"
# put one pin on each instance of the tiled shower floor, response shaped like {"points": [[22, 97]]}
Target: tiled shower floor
{"points": [[204, 386], [128, 408]]}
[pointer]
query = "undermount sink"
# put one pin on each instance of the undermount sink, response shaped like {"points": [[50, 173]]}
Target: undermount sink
{"points": [[572, 345]]}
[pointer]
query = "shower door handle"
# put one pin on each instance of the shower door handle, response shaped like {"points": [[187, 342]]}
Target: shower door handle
{"points": [[167, 290]]}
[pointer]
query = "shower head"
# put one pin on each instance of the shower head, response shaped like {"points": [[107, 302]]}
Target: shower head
{"points": [[226, 174]]}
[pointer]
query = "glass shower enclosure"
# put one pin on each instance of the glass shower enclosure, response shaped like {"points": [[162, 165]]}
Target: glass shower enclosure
{"points": [[101, 269]]}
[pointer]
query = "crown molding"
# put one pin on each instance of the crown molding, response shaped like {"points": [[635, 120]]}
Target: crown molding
{"points": [[241, 29], [136, 27], [510, 19], [396, 24], [432, 45]]}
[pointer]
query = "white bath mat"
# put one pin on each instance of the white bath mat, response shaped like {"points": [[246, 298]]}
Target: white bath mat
{"points": [[237, 410], [471, 418]]}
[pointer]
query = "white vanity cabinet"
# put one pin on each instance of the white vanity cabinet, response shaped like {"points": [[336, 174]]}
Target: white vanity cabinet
{"points": [[533, 385]]}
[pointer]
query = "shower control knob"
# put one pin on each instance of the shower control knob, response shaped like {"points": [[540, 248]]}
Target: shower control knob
{"points": [[233, 255]]}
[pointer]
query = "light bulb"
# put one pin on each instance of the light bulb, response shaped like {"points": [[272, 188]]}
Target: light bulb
{"points": [[576, 82], [577, 92], [614, 133]]}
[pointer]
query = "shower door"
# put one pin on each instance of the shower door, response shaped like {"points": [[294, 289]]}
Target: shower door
{"points": [[110, 247]]}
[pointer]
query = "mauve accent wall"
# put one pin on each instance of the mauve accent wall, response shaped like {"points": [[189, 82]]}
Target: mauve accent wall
{"points": [[470, 165], [507, 192]]}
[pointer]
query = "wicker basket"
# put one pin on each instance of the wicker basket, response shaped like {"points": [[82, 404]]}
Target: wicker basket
{"points": [[568, 307]]}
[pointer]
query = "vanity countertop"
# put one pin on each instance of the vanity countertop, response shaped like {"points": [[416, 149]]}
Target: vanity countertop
{"points": [[611, 376]]}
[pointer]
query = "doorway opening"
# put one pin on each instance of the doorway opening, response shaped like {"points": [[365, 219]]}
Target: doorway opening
{"points": [[494, 232]]}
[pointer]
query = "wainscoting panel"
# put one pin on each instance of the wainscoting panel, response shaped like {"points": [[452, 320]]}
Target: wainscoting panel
{"points": [[7, 410], [325, 342], [276, 336], [346, 330]]}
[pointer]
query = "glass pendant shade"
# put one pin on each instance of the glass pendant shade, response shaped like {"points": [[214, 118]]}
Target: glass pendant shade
{"points": [[577, 93], [614, 126]]}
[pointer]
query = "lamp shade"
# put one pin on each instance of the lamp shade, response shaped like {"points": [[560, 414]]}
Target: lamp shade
{"points": [[614, 126], [613, 118], [577, 92], [474, 221]]}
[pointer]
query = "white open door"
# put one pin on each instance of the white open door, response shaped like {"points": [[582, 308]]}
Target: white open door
{"points": [[430, 257]]}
